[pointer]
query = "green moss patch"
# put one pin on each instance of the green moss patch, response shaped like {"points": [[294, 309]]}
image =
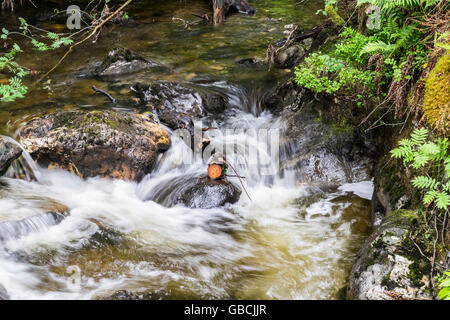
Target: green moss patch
{"points": [[436, 104]]}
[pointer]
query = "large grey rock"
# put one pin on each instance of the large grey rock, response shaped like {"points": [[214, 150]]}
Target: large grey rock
{"points": [[388, 266], [320, 150], [9, 151], [177, 105], [96, 143], [194, 192], [207, 194]]}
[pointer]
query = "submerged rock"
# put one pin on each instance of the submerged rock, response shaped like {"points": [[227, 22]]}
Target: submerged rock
{"points": [[223, 8], [388, 266], [128, 295], [178, 105], [96, 143], [9, 151], [20, 228], [48, 213], [122, 61]]}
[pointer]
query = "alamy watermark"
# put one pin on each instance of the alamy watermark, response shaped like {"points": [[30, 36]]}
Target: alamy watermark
{"points": [[74, 19], [74, 280], [373, 17], [253, 147]]}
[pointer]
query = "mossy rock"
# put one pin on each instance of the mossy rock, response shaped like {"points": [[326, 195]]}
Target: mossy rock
{"points": [[334, 16], [388, 266], [436, 104], [96, 143]]}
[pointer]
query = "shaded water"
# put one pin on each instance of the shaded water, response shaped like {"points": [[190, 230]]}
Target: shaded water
{"points": [[292, 241]]}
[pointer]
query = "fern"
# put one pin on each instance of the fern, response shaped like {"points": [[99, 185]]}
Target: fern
{"points": [[419, 135], [447, 166], [418, 152], [377, 46], [389, 5], [423, 182], [429, 197], [442, 200]]}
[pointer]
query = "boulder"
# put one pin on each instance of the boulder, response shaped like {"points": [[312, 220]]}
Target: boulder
{"points": [[9, 151], [322, 150], [196, 192], [207, 194], [96, 143], [289, 57], [122, 61], [389, 266], [177, 105]]}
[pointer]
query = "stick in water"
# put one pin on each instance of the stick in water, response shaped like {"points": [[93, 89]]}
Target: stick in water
{"points": [[104, 92], [239, 177]]}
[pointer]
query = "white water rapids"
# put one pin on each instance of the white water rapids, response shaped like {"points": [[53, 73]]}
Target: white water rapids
{"points": [[292, 241]]}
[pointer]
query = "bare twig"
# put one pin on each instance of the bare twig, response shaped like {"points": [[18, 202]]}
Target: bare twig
{"points": [[239, 177], [83, 40]]}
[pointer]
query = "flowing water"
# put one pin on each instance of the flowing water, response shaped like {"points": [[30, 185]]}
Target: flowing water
{"points": [[290, 241]]}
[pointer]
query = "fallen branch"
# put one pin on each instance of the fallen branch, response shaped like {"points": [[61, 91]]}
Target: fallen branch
{"points": [[313, 33], [104, 92], [83, 40]]}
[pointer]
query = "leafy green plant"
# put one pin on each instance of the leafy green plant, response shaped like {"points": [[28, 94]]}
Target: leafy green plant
{"points": [[444, 293], [391, 55], [49, 41], [323, 73], [433, 158]]}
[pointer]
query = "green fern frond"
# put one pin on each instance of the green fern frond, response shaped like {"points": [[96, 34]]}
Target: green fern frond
{"points": [[422, 182], [404, 151], [442, 200], [446, 187], [429, 197], [430, 149], [447, 166], [420, 160], [377, 46], [419, 135]]}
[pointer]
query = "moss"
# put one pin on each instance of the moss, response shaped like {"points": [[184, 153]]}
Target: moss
{"points": [[436, 104], [417, 270], [402, 215], [334, 16], [340, 126]]}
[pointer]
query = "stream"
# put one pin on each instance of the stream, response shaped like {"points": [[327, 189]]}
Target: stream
{"points": [[292, 240]]}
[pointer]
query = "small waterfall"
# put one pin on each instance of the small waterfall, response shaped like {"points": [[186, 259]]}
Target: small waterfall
{"points": [[16, 229], [23, 167]]}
